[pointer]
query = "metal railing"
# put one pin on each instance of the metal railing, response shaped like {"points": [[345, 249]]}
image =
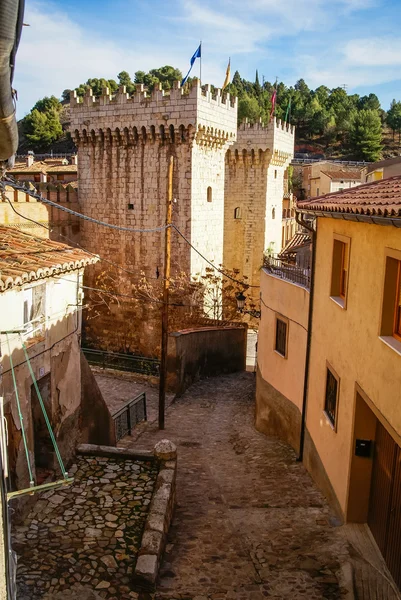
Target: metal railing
{"points": [[286, 271], [132, 413], [351, 163], [122, 362]]}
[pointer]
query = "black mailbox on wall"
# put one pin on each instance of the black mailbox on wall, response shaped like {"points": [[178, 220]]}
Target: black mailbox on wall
{"points": [[364, 448]]}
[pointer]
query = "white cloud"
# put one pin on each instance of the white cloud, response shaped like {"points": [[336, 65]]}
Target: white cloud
{"points": [[55, 53], [374, 52]]}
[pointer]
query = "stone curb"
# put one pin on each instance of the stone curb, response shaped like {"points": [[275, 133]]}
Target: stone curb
{"points": [[113, 452], [158, 519]]}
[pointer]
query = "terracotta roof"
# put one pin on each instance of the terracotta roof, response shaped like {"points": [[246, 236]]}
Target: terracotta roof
{"points": [[382, 198], [43, 166], [62, 169], [343, 174], [298, 241], [25, 258], [383, 163]]}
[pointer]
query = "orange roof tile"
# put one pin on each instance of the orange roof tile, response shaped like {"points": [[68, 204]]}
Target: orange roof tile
{"points": [[382, 198], [343, 174], [25, 258]]}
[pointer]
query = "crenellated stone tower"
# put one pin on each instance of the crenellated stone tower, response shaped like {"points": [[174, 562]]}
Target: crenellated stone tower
{"points": [[124, 146], [254, 187]]}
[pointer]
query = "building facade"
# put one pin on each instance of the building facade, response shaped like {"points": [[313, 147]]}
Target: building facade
{"points": [[347, 427], [21, 211], [324, 177], [382, 169], [40, 306], [282, 339], [254, 191], [124, 148]]}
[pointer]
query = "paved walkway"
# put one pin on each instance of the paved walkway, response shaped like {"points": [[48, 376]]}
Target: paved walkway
{"points": [[249, 523], [85, 535]]}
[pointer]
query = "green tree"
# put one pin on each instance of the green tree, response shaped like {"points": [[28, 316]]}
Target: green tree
{"points": [[393, 118], [124, 78], [42, 128], [366, 135], [370, 102], [48, 103], [249, 108]]}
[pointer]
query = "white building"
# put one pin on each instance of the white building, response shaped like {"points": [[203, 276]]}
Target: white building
{"points": [[40, 307]]}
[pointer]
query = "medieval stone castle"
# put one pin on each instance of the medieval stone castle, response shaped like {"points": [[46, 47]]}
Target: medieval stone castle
{"points": [[227, 185]]}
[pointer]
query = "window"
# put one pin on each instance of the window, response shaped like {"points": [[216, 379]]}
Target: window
{"points": [[339, 271], [60, 177], [275, 173], [209, 194], [273, 213], [331, 396], [391, 309], [36, 178], [34, 310], [130, 206], [317, 191], [280, 345], [237, 213]]}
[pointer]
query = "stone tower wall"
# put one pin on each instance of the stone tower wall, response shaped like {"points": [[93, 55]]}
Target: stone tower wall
{"points": [[254, 184], [124, 146]]}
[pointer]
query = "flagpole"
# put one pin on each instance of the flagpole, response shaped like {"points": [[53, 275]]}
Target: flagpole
{"points": [[200, 63]]}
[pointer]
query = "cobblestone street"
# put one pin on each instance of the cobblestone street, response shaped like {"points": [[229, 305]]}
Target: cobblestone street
{"points": [[86, 534], [249, 523]]}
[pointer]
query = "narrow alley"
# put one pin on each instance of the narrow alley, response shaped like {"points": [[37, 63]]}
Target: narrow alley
{"points": [[249, 521]]}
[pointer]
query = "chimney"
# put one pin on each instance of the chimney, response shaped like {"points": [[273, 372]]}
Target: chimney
{"points": [[74, 159], [30, 159]]}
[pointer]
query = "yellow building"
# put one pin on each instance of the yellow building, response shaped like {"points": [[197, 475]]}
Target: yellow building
{"points": [[382, 169], [353, 415], [329, 357], [324, 177]]}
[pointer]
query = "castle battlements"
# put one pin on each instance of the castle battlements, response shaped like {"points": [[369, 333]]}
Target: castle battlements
{"points": [[258, 142], [178, 116]]}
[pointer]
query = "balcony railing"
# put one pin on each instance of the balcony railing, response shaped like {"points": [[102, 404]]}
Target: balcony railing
{"points": [[286, 271]]}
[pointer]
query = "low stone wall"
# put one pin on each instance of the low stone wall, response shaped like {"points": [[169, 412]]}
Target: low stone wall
{"points": [[159, 518], [161, 508], [197, 353]]}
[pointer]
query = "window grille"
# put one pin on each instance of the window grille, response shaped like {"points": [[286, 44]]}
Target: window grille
{"points": [[281, 337], [330, 402]]}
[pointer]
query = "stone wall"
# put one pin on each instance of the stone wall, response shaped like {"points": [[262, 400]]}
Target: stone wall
{"points": [[254, 189], [197, 353], [96, 425], [124, 147], [64, 227]]}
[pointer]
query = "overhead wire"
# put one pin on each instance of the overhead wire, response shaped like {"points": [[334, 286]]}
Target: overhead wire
{"points": [[39, 197], [12, 183], [21, 418]]}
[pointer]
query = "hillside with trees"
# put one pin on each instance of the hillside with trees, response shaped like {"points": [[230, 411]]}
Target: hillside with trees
{"points": [[328, 122]]}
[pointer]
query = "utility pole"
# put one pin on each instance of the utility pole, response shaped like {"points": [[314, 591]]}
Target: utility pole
{"points": [[166, 293]]}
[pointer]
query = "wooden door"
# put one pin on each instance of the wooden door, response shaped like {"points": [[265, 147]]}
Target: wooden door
{"points": [[384, 517], [381, 486], [393, 547]]}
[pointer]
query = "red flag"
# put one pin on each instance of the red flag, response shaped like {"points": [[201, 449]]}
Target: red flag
{"points": [[273, 103]]}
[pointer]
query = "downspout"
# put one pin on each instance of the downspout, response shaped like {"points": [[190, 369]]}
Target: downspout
{"points": [[11, 21], [313, 231]]}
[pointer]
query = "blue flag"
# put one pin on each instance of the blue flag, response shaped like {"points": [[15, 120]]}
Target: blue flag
{"points": [[197, 54]]}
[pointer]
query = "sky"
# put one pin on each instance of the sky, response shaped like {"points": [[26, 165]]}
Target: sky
{"points": [[353, 43]]}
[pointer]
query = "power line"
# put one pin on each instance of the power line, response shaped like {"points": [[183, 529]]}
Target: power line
{"points": [[73, 242], [244, 284], [39, 197], [102, 223]]}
